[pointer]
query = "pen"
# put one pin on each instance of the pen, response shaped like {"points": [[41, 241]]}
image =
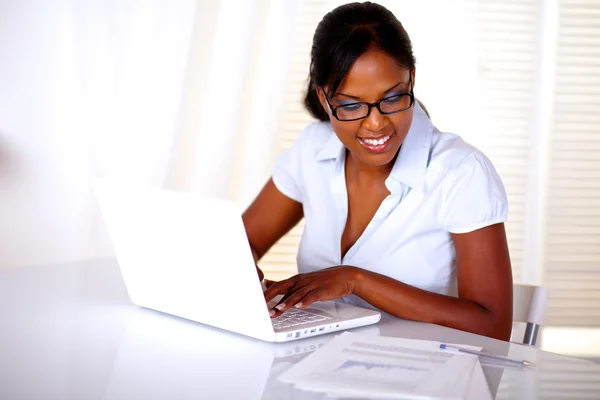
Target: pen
{"points": [[481, 354]]}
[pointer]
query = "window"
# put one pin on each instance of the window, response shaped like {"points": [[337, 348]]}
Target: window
{"points": [[572, 235]]}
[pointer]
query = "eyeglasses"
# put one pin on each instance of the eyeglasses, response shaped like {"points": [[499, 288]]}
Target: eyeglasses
{"points": [[388, 105]]}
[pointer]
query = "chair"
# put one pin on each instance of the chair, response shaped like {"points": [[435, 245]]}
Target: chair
{"points": [[529, 306]]}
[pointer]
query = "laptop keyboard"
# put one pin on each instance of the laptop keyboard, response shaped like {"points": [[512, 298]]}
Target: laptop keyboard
{"points": [[295, 317]]}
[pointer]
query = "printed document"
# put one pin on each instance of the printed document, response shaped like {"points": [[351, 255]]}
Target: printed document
{"points": [[355, 365]]}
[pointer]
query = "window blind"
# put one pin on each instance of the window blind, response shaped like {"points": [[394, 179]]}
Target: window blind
{"points": [[573, 217], [506, 57]]}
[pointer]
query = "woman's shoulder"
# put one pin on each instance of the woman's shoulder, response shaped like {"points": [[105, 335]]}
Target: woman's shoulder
{"points": [[316, 134], [450, 152], [296, 166], [314, 138]]}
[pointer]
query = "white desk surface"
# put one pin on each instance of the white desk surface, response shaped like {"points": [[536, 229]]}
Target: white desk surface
{"points": [[70, 332]]}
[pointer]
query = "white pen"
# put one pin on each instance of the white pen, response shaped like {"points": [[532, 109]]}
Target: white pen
{"points": [[481, 354]]}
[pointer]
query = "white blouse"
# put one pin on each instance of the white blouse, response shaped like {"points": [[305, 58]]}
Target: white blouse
{"points": [[439, 184]]}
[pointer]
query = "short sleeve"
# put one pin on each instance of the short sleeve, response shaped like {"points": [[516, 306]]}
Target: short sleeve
{"points": [[287, 174], [474, 196]]}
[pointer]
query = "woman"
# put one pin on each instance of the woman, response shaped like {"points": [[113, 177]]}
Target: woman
{"points": [[398, 215]]}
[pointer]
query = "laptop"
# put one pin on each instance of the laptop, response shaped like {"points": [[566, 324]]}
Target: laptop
{"points": [[188, 255]]}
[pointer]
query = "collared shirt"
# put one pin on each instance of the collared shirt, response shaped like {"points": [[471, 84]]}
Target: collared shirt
{"points": [[439, 184]]}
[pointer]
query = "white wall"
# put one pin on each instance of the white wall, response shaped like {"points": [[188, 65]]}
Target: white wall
{"points": [[153, 92], [42, 159], [86, 89]]}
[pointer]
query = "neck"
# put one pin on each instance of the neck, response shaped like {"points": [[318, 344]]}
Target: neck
{"points": [[363, 173]]}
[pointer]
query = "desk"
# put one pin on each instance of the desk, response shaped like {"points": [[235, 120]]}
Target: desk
{"points": [[70, 332]]}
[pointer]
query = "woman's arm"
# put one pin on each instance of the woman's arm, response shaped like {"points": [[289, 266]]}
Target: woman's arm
{"points": [[484, 305], [268, 218]]}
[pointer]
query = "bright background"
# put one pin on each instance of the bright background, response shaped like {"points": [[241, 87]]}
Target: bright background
{"points": [[202, 95]]}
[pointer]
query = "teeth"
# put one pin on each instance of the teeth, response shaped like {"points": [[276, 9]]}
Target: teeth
{"points": [[377, 142]]}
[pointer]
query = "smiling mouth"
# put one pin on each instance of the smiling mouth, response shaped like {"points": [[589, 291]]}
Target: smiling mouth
{"points": [[377, 145]]}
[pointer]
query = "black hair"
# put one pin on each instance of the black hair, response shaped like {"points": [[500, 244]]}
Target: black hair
{"points": [[342, 36]]}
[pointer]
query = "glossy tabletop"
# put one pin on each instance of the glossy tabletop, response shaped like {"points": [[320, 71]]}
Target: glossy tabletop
{"points": [[70, 332]]}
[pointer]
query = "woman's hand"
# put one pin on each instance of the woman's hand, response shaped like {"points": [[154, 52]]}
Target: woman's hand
{"points": [[261, 276], [304, 289]]}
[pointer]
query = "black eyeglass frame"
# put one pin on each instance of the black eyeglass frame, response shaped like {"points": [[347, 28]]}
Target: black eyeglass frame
{"points": [[371, 105]]}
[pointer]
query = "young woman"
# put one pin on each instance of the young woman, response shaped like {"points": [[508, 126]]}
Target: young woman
{"points": [[398, 215]]}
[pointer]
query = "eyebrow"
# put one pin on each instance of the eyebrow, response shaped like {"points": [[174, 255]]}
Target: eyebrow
{"points": [[386, 92]]}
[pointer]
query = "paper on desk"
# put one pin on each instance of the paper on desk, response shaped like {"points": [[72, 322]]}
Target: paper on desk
{"points": [[354, 365]]}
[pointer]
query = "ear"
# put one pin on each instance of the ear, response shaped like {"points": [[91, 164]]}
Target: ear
{"points": [[322, 100], [413, 74]]}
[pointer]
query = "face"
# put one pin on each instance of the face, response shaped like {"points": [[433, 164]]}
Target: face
{"points": [[376, 139]]}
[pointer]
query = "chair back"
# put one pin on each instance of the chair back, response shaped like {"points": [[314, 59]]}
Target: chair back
{"points": [[529, 306]]}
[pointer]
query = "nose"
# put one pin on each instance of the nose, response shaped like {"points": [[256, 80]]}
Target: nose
{"points": [[375, 121]]}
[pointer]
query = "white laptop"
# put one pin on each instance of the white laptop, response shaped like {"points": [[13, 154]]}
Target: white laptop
{"points": [[188, 255]]}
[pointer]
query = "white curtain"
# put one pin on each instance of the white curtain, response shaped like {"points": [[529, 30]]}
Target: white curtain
{"points": [[173, 94]]}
